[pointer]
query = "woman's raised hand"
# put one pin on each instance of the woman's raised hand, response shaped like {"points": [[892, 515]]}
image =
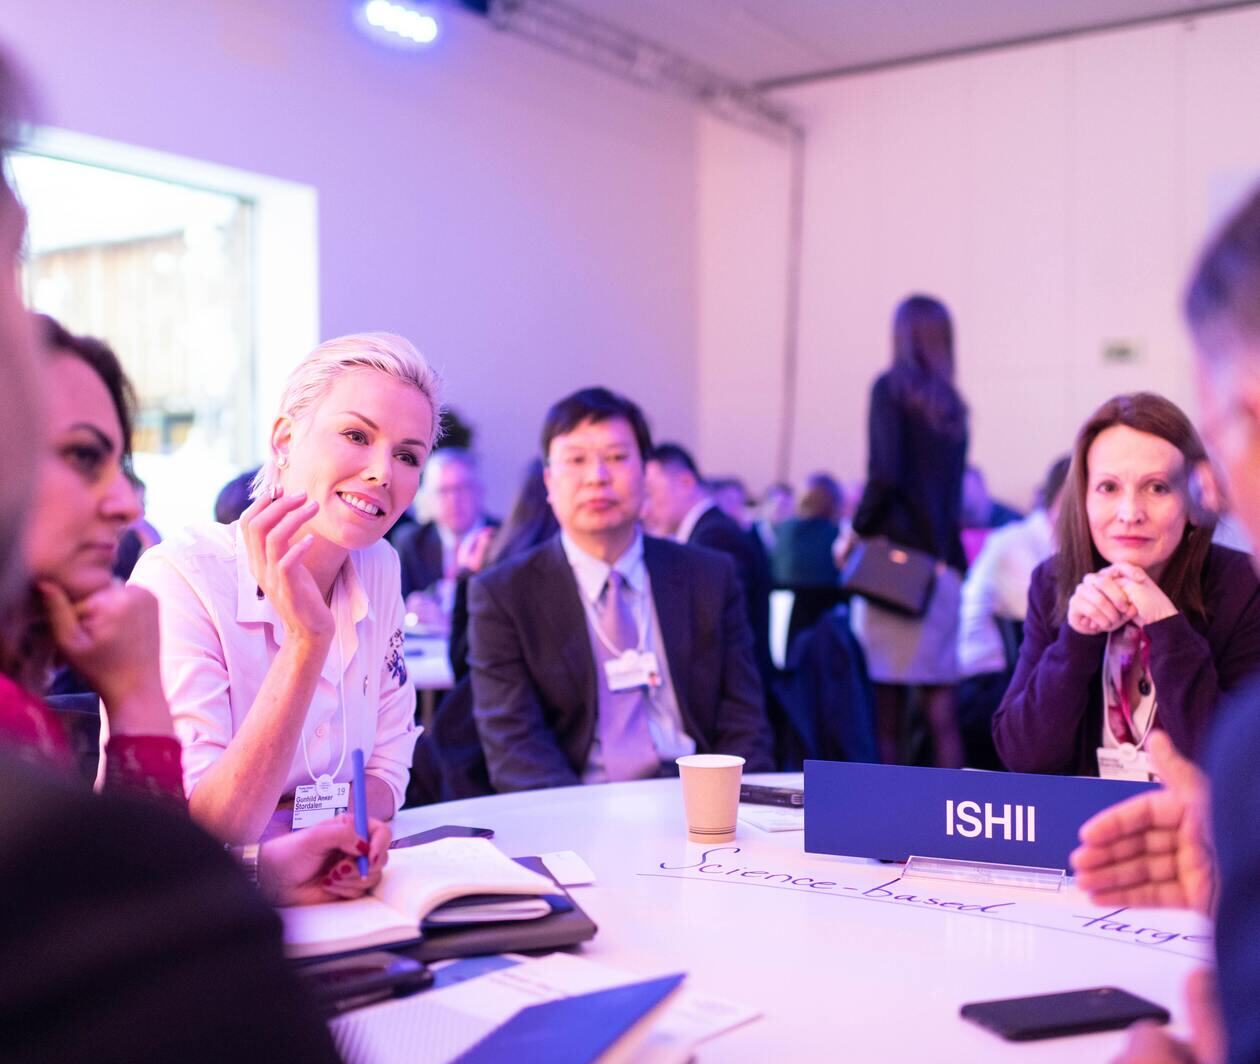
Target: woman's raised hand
{"points": [[1100, 603], [275, 560]]}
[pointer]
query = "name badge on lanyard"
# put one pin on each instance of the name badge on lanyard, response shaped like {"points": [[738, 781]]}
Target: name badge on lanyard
{"points": [[633, 668], [313, 803], [1124, 762], [1127, 760]]}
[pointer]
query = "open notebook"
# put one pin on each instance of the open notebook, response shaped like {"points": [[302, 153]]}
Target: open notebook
{"points": [[414, 882]]}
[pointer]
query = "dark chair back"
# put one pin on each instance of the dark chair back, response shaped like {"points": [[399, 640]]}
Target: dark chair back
{"points": [[826, 696], [810, 606], [1012, 633], [980, 696], [80, 716], [461, 761]]}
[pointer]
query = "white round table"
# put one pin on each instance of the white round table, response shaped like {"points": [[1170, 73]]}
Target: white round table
{"points": [[836, 972]]}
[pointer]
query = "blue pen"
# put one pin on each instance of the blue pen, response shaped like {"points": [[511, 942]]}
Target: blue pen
{"points": [[360, 804]]}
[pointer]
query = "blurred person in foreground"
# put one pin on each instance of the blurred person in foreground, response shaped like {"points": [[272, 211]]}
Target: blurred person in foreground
{"points": [[1194, 843]]}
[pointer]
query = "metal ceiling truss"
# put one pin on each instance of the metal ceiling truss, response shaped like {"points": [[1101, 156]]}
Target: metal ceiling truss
{"points": [[632, 58]]}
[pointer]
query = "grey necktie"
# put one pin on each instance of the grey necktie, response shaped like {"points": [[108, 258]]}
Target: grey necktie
{"points": [[624, 737]]}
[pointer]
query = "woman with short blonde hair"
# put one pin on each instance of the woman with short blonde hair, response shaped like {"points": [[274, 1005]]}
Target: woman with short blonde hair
{"points": [[282, 632]]}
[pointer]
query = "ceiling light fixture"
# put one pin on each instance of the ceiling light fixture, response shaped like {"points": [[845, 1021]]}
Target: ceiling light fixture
{"points": [[400, 23]]}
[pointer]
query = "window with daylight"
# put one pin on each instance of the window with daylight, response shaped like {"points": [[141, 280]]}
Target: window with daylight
{"points": [[161, 272]]}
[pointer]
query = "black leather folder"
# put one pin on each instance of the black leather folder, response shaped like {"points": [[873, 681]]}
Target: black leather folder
{"points": [[566, 927]]}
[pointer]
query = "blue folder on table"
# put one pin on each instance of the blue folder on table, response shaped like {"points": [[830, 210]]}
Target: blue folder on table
{"points": [[574, 1030]]}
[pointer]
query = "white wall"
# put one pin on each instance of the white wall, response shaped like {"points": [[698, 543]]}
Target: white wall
{"points": [[743, 240], [1053, 195], [528, 223]]}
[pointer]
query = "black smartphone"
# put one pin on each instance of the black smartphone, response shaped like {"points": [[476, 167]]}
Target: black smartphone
{"points": [[446, 831], [757, 794], [1102, 1008], [362, 978]]}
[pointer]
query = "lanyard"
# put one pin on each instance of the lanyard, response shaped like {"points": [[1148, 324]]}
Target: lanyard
{"points": [[324, 782], [1121, 678]]}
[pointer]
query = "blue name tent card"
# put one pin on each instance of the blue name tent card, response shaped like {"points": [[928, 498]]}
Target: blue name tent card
{"points": [[893, 812]]}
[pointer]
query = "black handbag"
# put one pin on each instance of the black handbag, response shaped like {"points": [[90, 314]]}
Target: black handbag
{"points": [[895, 577]]}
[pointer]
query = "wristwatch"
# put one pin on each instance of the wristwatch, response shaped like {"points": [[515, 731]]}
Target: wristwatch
{"points": [[247, 858]]}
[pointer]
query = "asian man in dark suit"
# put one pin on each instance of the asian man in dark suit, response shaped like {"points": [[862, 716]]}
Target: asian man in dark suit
{"points": [[603, 654]]}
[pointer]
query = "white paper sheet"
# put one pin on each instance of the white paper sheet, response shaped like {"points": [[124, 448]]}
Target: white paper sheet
{"points": [[568, 868], [772, 817]]}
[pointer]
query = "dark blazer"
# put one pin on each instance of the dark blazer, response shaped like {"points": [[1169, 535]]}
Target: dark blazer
{"points": [[1231, 765], [127, 934], [720, 532], [420, 553], [1051, 717], [533, 671], [913, 491]]}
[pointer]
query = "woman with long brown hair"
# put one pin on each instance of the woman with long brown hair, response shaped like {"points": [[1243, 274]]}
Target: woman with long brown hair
{"points": [[913, 496], [1140, 621]]}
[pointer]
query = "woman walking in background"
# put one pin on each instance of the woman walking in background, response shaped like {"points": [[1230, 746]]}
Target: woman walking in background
{"points": [[913, 496]]}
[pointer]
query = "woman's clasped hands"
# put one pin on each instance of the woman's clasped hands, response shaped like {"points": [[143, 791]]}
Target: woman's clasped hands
{"points": [[1115, 596]]}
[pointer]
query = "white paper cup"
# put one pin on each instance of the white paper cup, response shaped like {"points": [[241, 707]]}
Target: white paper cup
{"points": [[711, 795]]}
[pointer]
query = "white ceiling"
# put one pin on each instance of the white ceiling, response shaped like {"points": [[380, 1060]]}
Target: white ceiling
{"points": [[770, 40]]}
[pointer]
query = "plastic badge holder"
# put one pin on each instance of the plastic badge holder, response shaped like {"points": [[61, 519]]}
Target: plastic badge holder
{"points": [[996, 875]]}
